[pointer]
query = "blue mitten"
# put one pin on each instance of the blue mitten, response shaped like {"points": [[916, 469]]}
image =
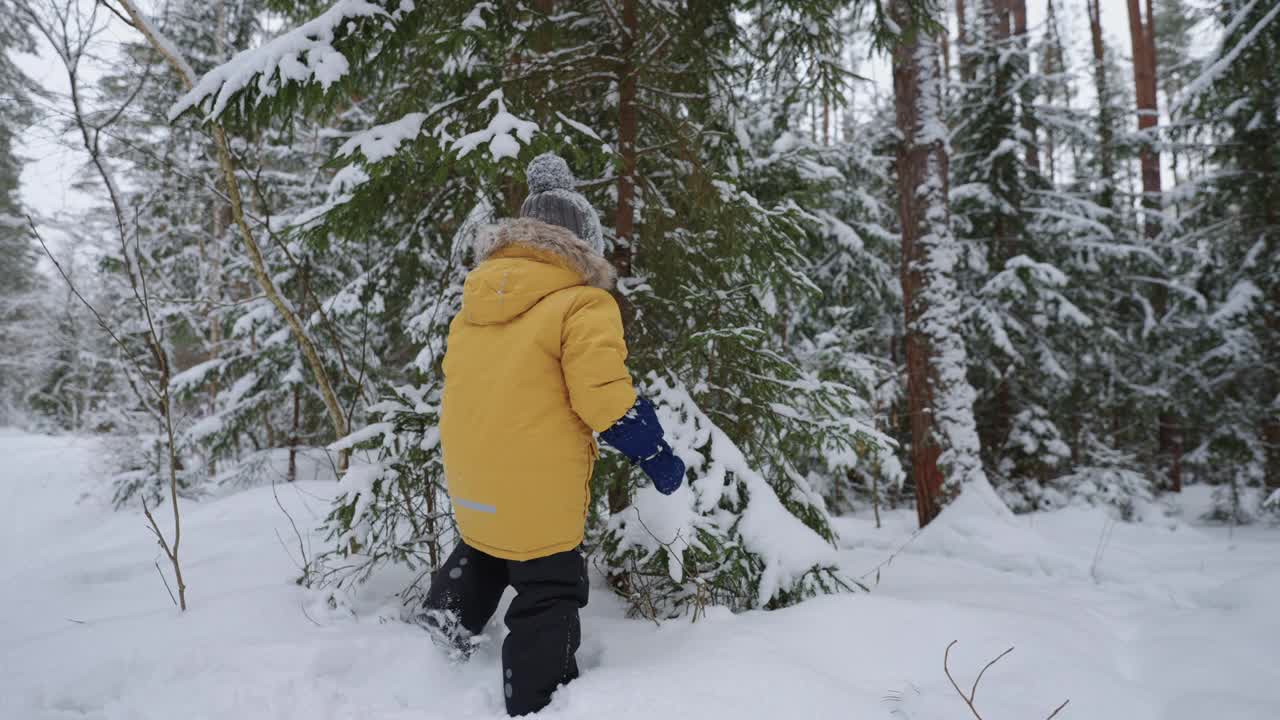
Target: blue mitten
{"points": [[638, 435], [665, 469]]}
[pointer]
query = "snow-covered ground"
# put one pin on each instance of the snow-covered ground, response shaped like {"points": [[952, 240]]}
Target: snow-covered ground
{"points": [[1165, 620]]}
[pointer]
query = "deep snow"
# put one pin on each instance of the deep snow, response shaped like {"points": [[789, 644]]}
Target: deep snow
{"points": [[1174, 621]]}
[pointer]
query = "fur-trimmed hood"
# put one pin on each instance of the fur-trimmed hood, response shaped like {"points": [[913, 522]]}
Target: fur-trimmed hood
{"points": [[536, 235]]}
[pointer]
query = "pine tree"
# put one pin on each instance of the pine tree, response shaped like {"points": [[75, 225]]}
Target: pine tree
{"points": [[243, 377], [170, 202]]}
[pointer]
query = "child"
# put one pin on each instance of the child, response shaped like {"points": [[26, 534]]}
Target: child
{"points": [[535, 363]]}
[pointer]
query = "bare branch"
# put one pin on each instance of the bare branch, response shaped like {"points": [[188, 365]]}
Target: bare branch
{"points": [[946, 668], [227, 163], [117, 13], [1058, 710], [973, 691], [166, 584], [102, 323]]}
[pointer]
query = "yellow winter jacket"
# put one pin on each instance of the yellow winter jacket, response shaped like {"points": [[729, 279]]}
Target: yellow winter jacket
{"points": [[535, 362]]}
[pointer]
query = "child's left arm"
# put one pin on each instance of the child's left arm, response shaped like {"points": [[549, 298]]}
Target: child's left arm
{"points": [[593, 358], [638, 435]]}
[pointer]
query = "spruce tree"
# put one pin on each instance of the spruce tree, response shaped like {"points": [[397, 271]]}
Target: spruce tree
{"points": [[1235, 231], [18, 254], [702, 261], [1012, 286]]}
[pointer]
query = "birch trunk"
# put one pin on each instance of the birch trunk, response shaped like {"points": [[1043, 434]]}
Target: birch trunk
{"points": [[256, 260]]}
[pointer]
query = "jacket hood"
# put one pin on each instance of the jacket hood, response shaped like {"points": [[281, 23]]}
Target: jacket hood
{"points": [[523, 261]]}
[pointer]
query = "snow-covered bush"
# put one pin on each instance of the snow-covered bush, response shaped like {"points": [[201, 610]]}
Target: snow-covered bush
{"points": [[1234, 503], [1233, 460], [1108, 478], [1118, 487], [728, 536], [1033, 451], [393, 507]]}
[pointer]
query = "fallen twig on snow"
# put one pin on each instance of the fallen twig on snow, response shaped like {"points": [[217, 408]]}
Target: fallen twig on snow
{"points": [[973, 691]]}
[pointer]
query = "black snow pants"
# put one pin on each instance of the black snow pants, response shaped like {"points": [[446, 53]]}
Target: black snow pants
{"points": [[538, 654]]}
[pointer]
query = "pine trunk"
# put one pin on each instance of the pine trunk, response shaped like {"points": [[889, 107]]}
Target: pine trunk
{"points": [[1271, 427], [1106, 142], [1006, 245], [826, 120], [912, 166], [1142, 36]]}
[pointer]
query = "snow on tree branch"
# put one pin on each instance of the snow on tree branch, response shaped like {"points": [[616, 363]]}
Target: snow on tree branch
{"points": [[1224, 60], [498, 133], [304, 55], [381, 142], [727, 504]]}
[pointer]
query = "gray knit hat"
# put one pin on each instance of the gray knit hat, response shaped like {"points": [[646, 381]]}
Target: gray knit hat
{"points": [[553, 200]]}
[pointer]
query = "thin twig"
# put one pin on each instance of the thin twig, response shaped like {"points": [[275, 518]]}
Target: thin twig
{"points": [[889, 560], [1058, 710], [102, 323], [307, 615], [166, 583], [946, 668], [302, 550], [973, 691]]}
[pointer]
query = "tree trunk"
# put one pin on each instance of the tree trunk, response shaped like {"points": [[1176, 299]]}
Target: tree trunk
{"points": [[624, 220], [1271, 438], [962, 42], [293, 434], [1144, 77], [1053, 65], [826, 120], [1106, 143], [1027, 96], [1007, 242], [1142, 36], [912, 166], [1270, 347], [226, 162]]}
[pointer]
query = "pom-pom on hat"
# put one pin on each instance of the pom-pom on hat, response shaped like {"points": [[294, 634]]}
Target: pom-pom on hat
{"points": [[553, 199]]}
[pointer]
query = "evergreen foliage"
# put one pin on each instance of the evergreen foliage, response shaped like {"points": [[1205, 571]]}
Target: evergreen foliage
{"points": [[1233, 229], [17, 252], [756, 219]]}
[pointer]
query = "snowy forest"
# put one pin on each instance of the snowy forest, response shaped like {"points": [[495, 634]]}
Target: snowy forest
{"points": [[964, 318]]}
